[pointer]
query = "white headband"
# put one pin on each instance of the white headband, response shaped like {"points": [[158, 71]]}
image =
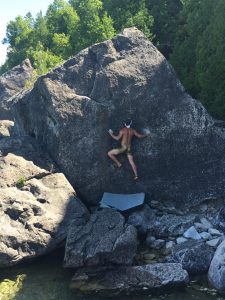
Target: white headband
{"points": [[128, 126]]}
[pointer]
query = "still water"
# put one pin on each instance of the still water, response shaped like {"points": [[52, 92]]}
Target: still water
{"points": [[45, 279]]}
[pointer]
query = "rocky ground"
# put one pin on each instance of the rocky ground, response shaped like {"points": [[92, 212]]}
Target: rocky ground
{"points": [[166, 241]]}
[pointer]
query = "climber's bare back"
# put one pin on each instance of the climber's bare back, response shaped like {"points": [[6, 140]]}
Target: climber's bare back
{"points": [[126, 136]]}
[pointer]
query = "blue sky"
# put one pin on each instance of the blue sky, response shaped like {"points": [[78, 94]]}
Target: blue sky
{"points": [[9, 9]]}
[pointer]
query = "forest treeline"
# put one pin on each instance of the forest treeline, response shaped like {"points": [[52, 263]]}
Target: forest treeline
{"points": [[190, 33]]}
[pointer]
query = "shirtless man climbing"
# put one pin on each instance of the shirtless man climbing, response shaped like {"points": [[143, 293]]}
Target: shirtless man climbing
{"points": [[126, 134]]}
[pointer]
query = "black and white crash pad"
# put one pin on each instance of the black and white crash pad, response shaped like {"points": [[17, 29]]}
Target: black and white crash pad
{"points": [[122, 202]]}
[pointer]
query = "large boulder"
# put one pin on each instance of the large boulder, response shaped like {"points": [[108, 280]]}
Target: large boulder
{"points": [[146, 220], [216, 274], [130, 280], [103, 240], [194, 256], [11, 83], [219, 220], [171, 225], [36, 206], [71, 108], [142, 218]]}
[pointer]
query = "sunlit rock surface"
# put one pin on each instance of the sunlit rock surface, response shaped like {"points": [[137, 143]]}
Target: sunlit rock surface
{"points": [[70, 110]]}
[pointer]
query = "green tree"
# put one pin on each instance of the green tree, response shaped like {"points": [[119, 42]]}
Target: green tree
{"points": [[94, 26], [194, 19], [142, 20], [166, 14], [41, 32], [18, 31], [63, 23], [121, 11], [18, 36], [61, 45], [210, 62], [61, 17], [43, 60]]}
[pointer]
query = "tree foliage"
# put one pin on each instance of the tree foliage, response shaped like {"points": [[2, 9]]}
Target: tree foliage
{"points": [[199, 52], [95, 24], [210, 62], [66, 28], [166, 14], [142, 20]]}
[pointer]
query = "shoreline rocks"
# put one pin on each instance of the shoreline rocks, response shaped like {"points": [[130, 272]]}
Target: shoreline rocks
{"points": [[153, 278], [103, 240], [194, 256], [216, 274]]}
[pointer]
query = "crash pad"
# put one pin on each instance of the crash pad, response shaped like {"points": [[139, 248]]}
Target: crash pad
{"points": [[122, 202]]}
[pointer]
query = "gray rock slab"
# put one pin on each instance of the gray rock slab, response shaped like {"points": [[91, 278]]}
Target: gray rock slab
{"points": [[181, 240], [203, 208], [214, 231], [192, 233], [14, 167], [216, 274], [37, 205], [194, 256], [105, 239], [214, 242], [35, 219], [130, 280], [170, 244], [206, 223], [142, 218], [11, 83], [156, 244], [170, 225], [200, 227], [150, 239], [205, 235], [219, 220]]}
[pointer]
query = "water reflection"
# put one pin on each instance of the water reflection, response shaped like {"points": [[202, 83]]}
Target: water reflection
{"points": [[45, 279]]}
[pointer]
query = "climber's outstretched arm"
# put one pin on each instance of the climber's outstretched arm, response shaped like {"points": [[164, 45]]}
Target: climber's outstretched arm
{"points": [[116, 137], [139, 135]]}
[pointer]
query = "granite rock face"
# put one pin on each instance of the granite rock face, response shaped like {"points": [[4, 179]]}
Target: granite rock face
{"points": [[216, 274], [146, 220], [219, 220], [130, 280], [70, 110], [171, 225], [36, 205], [103, 240], [194, 256], [143, 219], [11, 83]]}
